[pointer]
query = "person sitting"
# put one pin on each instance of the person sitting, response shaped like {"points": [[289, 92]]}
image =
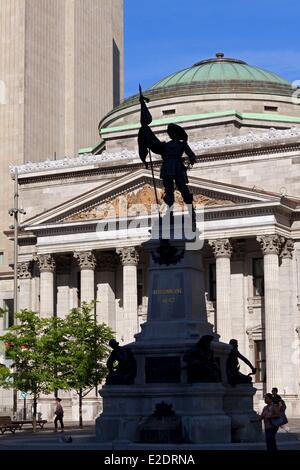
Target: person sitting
{"points": [[201, 363], [234, 375], [121, 365]]}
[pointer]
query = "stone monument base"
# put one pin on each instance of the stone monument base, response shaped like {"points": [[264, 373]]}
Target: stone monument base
{"points": [[207, 412], [210, 413]]}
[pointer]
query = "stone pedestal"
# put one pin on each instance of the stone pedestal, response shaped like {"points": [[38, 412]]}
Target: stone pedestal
{"points": [[176, 320]]}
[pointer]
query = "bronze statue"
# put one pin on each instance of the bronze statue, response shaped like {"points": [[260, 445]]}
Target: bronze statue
{"points": [[234, 375], [202, 366], [173, 171], [121, 365]]}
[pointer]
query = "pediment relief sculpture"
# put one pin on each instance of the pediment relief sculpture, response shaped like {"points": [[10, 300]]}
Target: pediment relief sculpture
{"points": [[127, 204]]}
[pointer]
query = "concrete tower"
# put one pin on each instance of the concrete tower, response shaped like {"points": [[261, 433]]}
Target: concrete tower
{"points": [[61, 70]]}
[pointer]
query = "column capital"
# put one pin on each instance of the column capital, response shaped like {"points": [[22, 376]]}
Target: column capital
{"points": [[106, 261], [46, 263], [221, 247], [24, 270], [287, 248], [128, 255], [85, 259], [270, 244]]}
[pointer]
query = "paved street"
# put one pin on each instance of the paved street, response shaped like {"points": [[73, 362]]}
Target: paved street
{"points": [[84, 439]]}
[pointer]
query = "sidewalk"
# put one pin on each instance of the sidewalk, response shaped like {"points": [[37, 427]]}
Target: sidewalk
{"points": [[84, 439]]}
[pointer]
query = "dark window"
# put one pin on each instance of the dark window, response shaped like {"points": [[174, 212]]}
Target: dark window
{"points": [[167, 112], [258, 276], [260, 361], [271, 108], [116, 75], [1, 257], [212, 282], [140, 287], [9, 307]]}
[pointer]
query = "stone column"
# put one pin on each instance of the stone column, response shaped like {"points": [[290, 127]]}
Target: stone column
{"points": [[2, 323], [237, 298], [287, 326], [63, 294], [222, 250], [87, 264], [270, 246], [25, 288], [35, 291], [129, 259], [46, 266], [63, 277], [105, 280]]}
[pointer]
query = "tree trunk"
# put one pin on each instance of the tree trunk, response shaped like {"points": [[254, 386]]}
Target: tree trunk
{"points": [[34, 412], [80, 408]]}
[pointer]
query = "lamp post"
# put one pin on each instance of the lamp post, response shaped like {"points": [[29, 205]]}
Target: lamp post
{"points": [[14, 212]]}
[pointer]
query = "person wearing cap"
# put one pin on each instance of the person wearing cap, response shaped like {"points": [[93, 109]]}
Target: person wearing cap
{"points": [[173, 171]]}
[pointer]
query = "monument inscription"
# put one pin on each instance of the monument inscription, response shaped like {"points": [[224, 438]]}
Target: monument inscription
{"points": [[165, 297]]}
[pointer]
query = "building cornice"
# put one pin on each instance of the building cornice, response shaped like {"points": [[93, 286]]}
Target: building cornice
{"points": [[229, 147], [210, 213], [185, 119]]}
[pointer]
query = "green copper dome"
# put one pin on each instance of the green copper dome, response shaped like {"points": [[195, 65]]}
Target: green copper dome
{"points": [[220, 69], [215, 77]]}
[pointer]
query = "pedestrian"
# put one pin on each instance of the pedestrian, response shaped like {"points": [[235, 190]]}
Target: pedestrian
{"points": [[275, 395], [282, 406], [59, 414], [270, 412]]}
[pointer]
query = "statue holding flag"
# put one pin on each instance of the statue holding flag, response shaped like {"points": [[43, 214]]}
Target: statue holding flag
{"points": [[173, 171]]}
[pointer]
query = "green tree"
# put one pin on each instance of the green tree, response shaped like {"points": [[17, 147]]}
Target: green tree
{"points": [[56, 354], [86, 352], [27, 345]]}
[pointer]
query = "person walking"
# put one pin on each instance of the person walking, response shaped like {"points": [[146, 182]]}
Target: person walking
{"points": [[271, 412], [59, 414]]}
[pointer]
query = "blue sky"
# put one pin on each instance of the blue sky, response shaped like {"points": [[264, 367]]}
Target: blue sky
{"points": [[162, 36]]}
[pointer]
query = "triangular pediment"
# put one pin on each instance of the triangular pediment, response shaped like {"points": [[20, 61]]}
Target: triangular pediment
{"points": [[128, 204], [138, 188]]}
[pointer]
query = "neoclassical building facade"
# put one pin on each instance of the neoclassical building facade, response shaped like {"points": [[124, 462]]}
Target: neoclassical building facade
{"points": [[87, 217]]}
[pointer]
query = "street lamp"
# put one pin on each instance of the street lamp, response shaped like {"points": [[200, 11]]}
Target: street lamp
{"points": [[14, 212]]}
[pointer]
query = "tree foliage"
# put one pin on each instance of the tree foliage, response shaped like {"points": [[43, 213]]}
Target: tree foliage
{"points": [[56, 354], [24, 346], [86, 349]]}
